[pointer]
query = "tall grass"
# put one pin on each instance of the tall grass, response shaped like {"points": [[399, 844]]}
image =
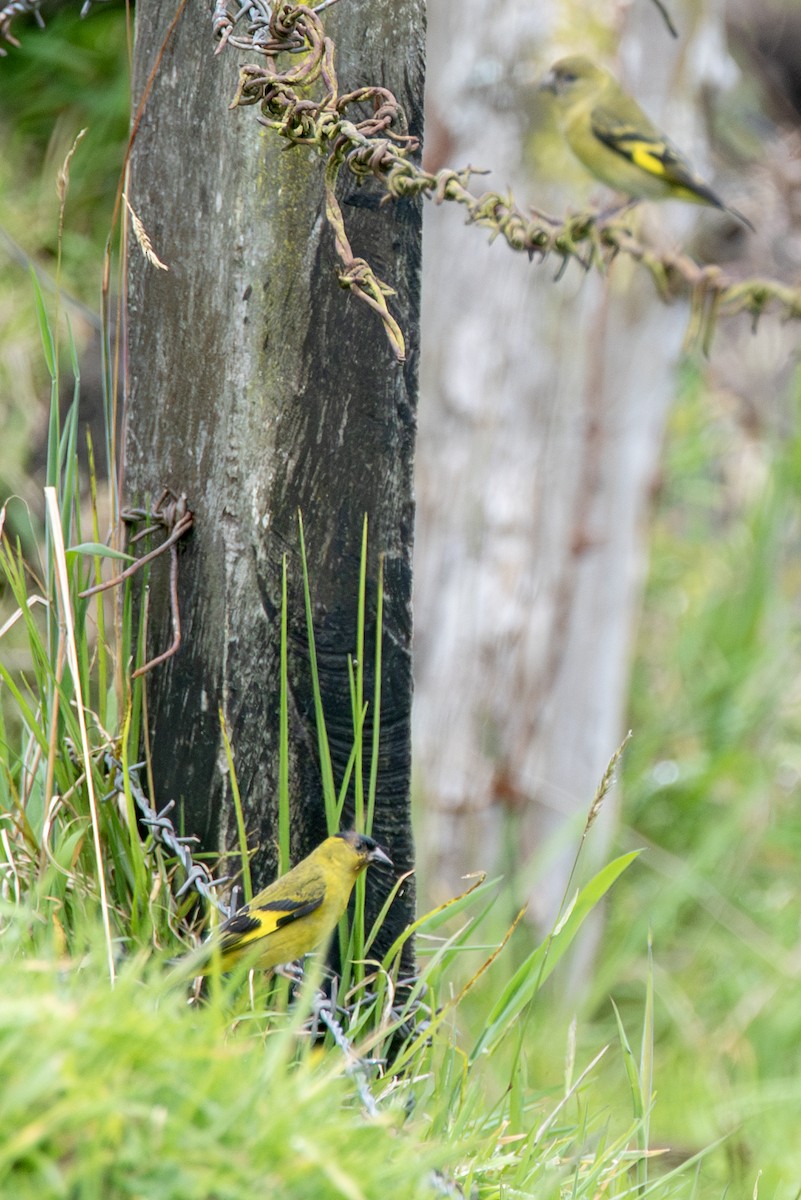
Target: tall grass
{"points": [[711, 789], [126, 1090], [114, 1086]]}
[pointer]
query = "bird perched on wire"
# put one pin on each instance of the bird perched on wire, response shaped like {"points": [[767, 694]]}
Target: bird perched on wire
{"points": [[610, 134], [299, 911]]}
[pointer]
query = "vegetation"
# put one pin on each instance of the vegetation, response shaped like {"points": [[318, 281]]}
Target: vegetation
{"points": [[127, 1089], [485, 1083]]}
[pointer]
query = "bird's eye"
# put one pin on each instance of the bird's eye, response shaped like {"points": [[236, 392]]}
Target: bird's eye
{"points": [[568, 77]]}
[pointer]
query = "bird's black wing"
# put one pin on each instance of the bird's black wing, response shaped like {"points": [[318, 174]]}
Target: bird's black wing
{"points": [[644, 146], [282, 912]]}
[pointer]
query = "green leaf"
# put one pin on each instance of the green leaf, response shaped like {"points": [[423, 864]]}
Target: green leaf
{"points": [[98, 550], [48, 345], [532, 973]]}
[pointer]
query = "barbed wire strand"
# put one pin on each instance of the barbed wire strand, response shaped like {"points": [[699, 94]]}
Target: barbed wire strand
{"points": [[198, 877], [378, 146]]}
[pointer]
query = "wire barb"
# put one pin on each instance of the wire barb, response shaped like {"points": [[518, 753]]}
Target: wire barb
{"points": [[172, 514], [198, 876]]}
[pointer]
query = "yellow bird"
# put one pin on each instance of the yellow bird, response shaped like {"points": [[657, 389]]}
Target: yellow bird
{"points": [[300, 910], [610, 134]]}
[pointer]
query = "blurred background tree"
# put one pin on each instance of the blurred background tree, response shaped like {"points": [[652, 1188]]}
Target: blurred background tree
{"points": [[592, 497]]}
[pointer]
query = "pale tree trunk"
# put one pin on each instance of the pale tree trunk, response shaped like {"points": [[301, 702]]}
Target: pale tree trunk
{"points": [[258, 387], [543, 406]]}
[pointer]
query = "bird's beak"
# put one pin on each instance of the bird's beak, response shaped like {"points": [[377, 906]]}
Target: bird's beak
{"points": [[548, 83], [379, 855]]}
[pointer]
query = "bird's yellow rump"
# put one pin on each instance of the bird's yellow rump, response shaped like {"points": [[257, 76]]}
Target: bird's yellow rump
{"points": [[610, 134], [299, 912]]}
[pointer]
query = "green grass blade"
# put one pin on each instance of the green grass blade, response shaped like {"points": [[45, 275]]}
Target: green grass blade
{"points": [[45, 332], [377, 666], [284, 851], [533, 972], [326, 769], [244, 856]]}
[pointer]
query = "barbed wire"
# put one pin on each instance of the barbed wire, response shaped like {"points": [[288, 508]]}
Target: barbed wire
{"points": [[379, 146], [17, 8], [375, 144], [198, 877], [172, 514], [356, 1068], [29, 8]]}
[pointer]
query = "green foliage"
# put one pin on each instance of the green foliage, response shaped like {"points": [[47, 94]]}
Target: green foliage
{"points": [[361, 771], [711, 785], [73, 76], [115, 1086], [126, 1091], [69, 77]]}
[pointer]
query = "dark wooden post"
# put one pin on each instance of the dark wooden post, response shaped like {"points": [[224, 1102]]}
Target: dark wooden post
{"points": [[258, 388]]}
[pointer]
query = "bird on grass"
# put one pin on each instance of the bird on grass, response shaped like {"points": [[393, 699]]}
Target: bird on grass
{"points": [[299, 911], [613, 138]]}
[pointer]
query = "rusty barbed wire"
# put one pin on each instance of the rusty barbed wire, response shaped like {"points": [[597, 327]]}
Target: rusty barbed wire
{"points": [[371, 145], [172, 514], [378, 146]]}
